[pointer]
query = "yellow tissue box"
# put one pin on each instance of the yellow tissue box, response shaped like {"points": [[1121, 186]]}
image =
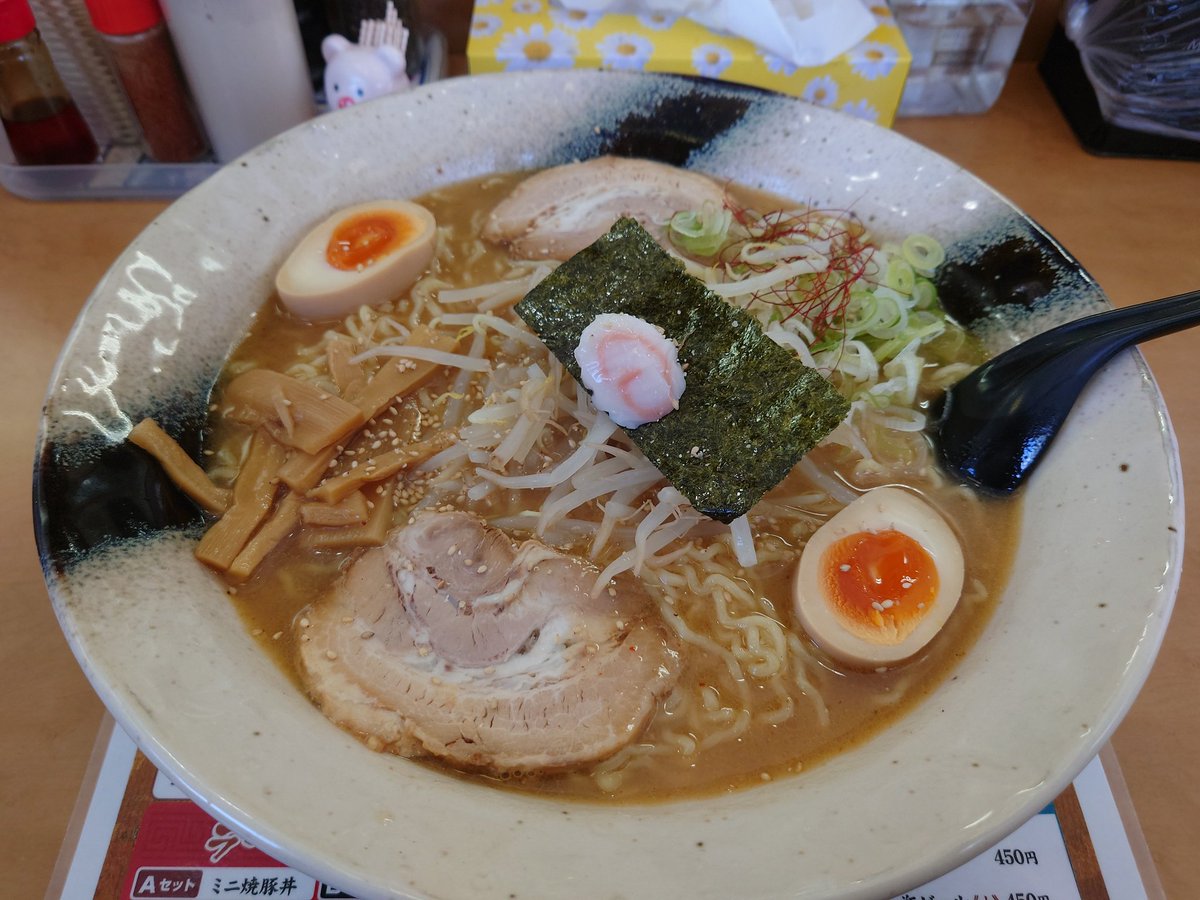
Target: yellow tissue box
{"points": [[865, 81]]}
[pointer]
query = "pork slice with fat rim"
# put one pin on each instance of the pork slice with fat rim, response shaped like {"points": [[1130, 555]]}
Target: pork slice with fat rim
{"points": [[557, 212], [452, 641]]}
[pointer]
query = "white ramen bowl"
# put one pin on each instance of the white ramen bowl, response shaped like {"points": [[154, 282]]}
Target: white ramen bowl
{"points": [[1071, 642]]}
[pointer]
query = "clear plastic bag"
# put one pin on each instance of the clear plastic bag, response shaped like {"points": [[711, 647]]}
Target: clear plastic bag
{"points": [[1143, 61]]}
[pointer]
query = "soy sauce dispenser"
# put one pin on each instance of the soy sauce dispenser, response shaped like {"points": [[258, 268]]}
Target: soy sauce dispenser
{"points": [[42, 122]]}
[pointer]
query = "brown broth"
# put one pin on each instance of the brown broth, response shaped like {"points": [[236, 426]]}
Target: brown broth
{"points": [[860, 703]]}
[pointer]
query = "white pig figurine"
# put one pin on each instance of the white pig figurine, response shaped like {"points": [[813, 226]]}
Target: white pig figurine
{"points": [[354, 73]]}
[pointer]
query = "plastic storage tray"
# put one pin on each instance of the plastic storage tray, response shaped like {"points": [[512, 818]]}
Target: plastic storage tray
{"points": [[124, 173]]}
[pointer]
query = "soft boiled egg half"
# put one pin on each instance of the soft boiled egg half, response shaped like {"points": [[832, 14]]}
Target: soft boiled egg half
{"points": [[361, 255], [878, 580]]}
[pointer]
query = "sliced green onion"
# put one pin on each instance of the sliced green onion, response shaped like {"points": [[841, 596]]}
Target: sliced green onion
{"points": [[891, 314], [923, 253], [701, 232], [924, 293], [860, 313], [900, 276], [922, 325]]}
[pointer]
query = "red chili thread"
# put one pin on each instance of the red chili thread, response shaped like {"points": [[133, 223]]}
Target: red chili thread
{"points": [[823, 300]]}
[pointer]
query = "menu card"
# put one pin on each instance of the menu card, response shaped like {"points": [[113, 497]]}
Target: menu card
{"points": [[136, 836]]}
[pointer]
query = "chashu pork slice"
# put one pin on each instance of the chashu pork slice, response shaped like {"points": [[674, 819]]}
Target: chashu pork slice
{"points": [[452, 641], [557, 212]]}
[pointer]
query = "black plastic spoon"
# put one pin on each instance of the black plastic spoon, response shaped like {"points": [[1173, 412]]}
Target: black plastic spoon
{"points": [[995, 424]]}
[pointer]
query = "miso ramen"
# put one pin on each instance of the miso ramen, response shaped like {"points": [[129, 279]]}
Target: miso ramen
{"points": [[490, 434]]}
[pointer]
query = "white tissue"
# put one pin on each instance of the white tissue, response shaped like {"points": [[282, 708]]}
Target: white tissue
{"points": [[803, 32]]}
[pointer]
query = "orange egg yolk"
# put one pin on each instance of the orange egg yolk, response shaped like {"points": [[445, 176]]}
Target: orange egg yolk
{"points": [[881, 583], [363, 238]]}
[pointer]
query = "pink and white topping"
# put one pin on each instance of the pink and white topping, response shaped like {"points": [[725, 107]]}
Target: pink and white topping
{"points": [[631, 368]]}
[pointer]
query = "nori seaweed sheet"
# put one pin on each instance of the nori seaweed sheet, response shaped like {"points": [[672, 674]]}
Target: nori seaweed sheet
{"points": [[750, 406]]}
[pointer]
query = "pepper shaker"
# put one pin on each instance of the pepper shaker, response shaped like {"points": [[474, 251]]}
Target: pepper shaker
{"points": [[145, 60]]}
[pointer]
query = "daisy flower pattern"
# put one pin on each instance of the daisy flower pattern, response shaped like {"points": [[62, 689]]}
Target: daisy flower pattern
{"points": [[485, 25], [527, 7], [822, 91], [537, 48], [777, 64], [861, 110], [658, 21], [624, 51], [710, 60], [574, 19], [882, 13], [873, 60]]}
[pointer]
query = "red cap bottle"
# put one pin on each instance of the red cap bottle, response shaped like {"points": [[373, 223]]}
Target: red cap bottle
{"points": [[43, 124], [144, 56], [123, 16], [16, 20]]}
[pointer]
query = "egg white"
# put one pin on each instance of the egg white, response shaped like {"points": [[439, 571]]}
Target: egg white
{"points": [[313, 288], [881, 509]]}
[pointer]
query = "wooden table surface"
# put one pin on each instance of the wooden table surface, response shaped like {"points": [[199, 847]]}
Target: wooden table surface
{"points": [[1134, 225]]}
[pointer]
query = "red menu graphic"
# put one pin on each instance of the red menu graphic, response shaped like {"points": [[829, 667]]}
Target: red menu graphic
{"points": [[166, 847], [181, 851]]}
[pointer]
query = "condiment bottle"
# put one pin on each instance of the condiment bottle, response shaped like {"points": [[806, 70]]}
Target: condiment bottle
{"points": [[144, 56], [43, 125], [245, 63]]}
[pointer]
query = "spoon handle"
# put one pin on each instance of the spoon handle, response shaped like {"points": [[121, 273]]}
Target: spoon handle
{"points": [[1078, 349], [1109, 332], [996, 422]]}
